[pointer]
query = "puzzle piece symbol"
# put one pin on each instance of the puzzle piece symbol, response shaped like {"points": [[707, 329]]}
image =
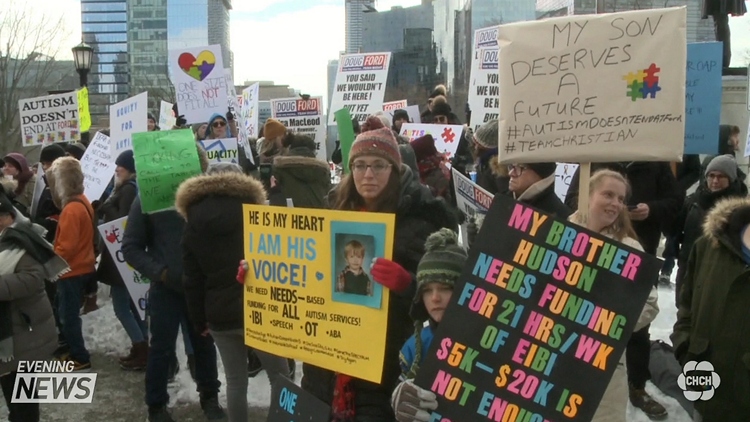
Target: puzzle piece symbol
{"points": [[195, 73], [650, 90], [634, 77], [651, 72], [634, 91], [448, 135]]}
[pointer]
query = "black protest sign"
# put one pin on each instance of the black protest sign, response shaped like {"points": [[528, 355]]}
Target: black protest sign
{"points": [[538, 321], [290, 403]]}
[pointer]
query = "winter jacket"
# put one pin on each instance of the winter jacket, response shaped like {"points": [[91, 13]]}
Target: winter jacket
{"points": [[115, 207], [542, 195], [491, 176], [213, 245], [74, 240], [409, 351], [47, 212], [418, 215], [688, 172], [34, 332], [712, 316], [306, 180], [151, 245], [653, 184]]}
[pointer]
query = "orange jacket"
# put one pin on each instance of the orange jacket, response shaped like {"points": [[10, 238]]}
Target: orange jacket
{"points": [[74, 237]]}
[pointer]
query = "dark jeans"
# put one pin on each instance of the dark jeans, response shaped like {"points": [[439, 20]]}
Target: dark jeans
{"points": [[51, 289], [669, 255], [17, 412], [721, 30], [637, 355], [91, 287], [167, 308], [69, 296]]}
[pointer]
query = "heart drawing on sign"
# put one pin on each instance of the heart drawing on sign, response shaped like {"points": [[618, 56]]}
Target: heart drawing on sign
{"points": [[197, 67]]}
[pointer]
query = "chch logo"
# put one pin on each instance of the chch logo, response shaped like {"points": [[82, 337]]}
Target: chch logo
{"points": [[698, 380]]}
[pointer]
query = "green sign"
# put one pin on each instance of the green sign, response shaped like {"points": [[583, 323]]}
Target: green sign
{"points": [[163, 160], [346, 135]]}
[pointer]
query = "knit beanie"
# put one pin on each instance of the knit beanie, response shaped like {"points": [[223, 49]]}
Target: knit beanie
{"points": [[273, 129], [486, 135], [76, 150], [442, 261], [126, 161], [377, 140], [440, 106], [724, 164], [400, 114], [544, 170], [50, 153], [424, 147]]}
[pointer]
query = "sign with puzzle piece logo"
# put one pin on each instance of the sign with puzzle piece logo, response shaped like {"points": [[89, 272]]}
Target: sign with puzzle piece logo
{"points": [[199, 81]]}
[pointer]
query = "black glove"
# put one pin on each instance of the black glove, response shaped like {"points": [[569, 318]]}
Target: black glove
{"points": [[180, 122], [412, 403]]}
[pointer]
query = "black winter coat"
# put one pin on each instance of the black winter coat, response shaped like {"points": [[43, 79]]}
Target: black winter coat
{"points": [[490, 174], [213, 245], [541, 195], [419, 214], [115, 207]]}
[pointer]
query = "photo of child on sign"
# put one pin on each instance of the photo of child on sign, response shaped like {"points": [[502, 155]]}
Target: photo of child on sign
{"points": [[354, 249], [353, 279]]}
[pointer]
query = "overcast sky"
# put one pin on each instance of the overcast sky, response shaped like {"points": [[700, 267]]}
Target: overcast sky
{"points": [[291, 41]]}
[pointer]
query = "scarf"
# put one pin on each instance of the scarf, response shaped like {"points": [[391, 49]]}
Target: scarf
{"points": [[27, 238], [8, 260]]}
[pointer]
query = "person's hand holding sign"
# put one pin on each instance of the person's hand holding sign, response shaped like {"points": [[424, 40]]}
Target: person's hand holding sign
{"points": [[390, 274], [638, 212], [412, 403]]}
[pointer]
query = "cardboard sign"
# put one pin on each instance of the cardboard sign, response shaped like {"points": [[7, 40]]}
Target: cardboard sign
{"points": [[309, 295], [304, 117], [200, 82], [484, 89], [590, 88], [703, 97], [84, 115], [163, 160], [563, 175], [98, 167], [360, 84], [290, 403], [136, 283], [446, 136], [221, 150], [167, 119], [248, 124], [49, 119], [537, 323], [126, 118]]}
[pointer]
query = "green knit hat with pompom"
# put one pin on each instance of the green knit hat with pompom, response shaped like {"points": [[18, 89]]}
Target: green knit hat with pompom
{"points": [[442, 262]]}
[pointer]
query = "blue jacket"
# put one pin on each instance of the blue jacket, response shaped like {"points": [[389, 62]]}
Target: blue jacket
{"points": [[152, 243], [406, 357]]}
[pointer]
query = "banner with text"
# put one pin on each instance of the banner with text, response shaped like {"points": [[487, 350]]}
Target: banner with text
{"points": [[126, 118], [309, 294], [221, 150], [446, 136], [136, 283], [84, 115], [472, 200], [290, 403], [49, 119], [167, 119], [537, 323], [563, 175], [200, 82], [412, 111], [304, 117], [248, 123], [163, 160], [98, 167], [703, 97], [360, 84], [484, 89], [590, 88]]}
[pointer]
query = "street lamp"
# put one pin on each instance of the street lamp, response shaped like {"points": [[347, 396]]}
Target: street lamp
{"points": [[82, 54]]}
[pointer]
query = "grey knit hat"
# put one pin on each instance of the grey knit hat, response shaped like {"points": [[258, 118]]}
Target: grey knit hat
{"points": [[486, 135], [724, 164]]}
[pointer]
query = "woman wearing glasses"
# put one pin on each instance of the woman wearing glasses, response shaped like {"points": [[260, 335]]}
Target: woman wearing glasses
{"points": [[218, 128], [379, 182], [534, 184]]}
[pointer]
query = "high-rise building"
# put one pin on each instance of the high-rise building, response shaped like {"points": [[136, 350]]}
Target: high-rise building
{"points": [[104, 28], [355, 10]]}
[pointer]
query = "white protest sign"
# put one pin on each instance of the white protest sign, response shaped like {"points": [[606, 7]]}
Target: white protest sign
{"points": [[234, 106], [39, 186], [392, 106], [304, 117], [126, 118], [446, 136], [563, 174], [221, 150], [248, 123], [200, 82], [593, 88], [747, 142], [167, 119], [471, 199], [484, 88], [412, 111], [49, 119], [98, 166], [360, 85], [136, 284]]}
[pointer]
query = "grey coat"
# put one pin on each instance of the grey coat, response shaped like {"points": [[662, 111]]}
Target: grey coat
{"points": [[34, 332]]}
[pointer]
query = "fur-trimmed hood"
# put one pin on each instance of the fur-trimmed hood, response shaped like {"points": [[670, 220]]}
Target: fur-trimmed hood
{"points": [[234, 185], [726, 221], [65, 180]]}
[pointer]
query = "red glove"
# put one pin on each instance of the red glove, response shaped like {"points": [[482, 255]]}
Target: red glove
{"points": [[390, 275], [242, 271]]}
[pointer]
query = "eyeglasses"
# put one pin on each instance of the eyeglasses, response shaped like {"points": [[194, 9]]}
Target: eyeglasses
{"points": [[377, 168], [518, 168], [441, 119], [219, 123]]}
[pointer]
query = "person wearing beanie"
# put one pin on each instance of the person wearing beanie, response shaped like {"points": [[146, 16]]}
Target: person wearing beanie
{"points": [[298, 174], [399, 118], [379, 182], [75, 150], [433, 171], [18, 168], [534, 184], [439, 90], [218, 127], [442, 113], [437, 274], [273, 129], [199, 129], [491, 175], [49, 154]]}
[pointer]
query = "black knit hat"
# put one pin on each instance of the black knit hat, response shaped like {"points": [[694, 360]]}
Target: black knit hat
{"points": [[51, 153], [440, 106], [400, 114], [126, 160], [544, 170]]}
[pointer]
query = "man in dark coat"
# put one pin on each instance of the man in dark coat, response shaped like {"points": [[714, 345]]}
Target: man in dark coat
{"points": [[300, 176], [534, 184], [720, 11]]}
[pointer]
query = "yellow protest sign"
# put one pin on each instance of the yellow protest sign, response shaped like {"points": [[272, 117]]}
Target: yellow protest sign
{"points": [[309, 294], [84, 116]]}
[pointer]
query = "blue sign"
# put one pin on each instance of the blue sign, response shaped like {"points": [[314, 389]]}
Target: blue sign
{"points": [[703, 98]]}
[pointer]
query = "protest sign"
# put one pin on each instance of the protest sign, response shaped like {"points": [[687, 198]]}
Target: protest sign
{"points": [[472, 200], [306, 298], [290, 403], [248, 123], [484, 91], [232, 104], [304, 117], [392, 106], [446, 136], [137, 284], [346, 136], [167, 119], [200, 82], [360, 84], [49, 119], [126, 118], [590, 88], [84, 115], [221, 150], [98, 167], [537, 323], [412, 111], [563, 175], [39, 186], [703, 98], [163, 160]]}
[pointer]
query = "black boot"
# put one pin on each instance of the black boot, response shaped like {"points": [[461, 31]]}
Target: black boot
{"points": [[211, 408], [159, 414]]}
